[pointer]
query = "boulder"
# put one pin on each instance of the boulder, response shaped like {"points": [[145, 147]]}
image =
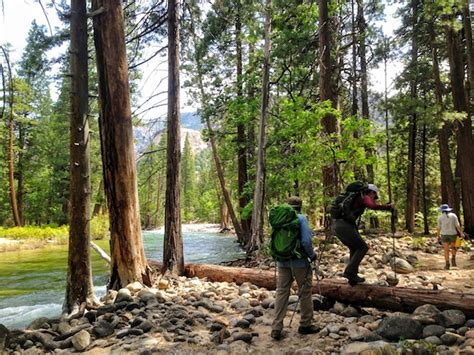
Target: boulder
{"points": [[451, 318], [400, 327]]}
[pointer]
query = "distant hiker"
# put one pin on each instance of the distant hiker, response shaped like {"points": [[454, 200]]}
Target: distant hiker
{"points": [[292, 248], [447, 231], [346, 210]]}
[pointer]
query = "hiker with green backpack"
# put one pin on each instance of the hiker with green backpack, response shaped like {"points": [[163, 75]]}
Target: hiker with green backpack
{"points": [[292, 249], [346, 211]]}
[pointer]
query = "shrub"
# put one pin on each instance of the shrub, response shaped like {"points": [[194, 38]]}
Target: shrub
{"points": [[100, 227], [59, 234]]}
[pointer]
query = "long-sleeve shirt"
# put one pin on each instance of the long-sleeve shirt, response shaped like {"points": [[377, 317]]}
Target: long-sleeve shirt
{"points": [[367, 202], [306, 245]]}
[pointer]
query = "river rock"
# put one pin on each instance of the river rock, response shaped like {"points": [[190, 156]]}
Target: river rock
{"points": [[433, 330], [124, 295], [81, 340], [402, 266], [103, 329], [469, 334], [376, 347], [397, 327], [426, 314], [451, 318], [4, 332], [433, 340], [449, 338], [147, 296]]}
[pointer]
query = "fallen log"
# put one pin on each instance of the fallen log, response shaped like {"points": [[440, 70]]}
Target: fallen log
{"points": [[384, 297]]}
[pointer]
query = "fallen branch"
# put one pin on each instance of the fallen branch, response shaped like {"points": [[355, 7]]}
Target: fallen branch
{"points": [[101, 252], [384, 297]]}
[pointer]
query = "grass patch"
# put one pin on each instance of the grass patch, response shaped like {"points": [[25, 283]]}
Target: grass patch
{"points": [[99, 227]]}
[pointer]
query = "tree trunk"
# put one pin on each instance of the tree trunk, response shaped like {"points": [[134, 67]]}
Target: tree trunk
{"points": [[242, 176], [259, 194], [464, 139], [410, 207], [448, 190], [327, 91], [395, 298], [11, 165], [79, 287], [364, 96], [173, 242], [426, 227], [387, 130], [118, 156]]}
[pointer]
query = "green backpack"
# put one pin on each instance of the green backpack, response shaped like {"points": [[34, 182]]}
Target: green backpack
{"points": [[285, 241]]}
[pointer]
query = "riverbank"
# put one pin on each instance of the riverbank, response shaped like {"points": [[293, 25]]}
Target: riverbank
{"points": [[189, 315], [10, 244]]}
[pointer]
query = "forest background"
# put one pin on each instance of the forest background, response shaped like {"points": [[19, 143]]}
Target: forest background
{"points": [[325, 125]]}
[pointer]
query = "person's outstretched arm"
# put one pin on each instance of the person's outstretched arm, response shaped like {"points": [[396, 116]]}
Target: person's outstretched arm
{"points": [[368, 202]]}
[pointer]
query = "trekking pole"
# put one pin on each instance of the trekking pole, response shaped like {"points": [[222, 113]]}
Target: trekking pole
{"points": [[300, 291]]}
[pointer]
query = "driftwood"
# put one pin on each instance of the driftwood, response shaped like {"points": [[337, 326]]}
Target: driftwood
{"points": [[384, 297]]}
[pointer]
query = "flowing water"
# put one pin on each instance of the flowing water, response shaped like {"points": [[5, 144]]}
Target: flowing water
{"points": [[32, 282]]}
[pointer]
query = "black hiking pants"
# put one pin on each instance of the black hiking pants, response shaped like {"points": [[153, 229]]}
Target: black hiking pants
{"points": [[349, 235]]}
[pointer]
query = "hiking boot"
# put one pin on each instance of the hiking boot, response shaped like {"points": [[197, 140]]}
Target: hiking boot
{"points": [[276, 334], [353, 279], [311, 329], [446, 267]]}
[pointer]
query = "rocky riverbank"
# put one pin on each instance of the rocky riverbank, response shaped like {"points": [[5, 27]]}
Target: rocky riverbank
{"points": [[183, 315]]}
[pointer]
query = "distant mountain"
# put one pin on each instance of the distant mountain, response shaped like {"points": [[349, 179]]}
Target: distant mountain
{"points": [[190, 124], [191, 120]]}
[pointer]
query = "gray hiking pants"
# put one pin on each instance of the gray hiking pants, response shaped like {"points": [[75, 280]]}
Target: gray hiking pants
{"points": [[303, 276], [349, 235]]}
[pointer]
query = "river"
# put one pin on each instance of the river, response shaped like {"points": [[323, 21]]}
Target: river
{"points": [[32, 282]]}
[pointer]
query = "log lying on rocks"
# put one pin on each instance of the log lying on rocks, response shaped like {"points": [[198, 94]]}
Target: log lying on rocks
{"points": [[384, 297]]}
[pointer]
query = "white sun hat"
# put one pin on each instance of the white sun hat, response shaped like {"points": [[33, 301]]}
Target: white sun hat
{"points": [[372, 187]]}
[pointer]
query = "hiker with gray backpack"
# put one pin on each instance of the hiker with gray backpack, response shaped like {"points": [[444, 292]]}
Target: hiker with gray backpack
{"points": [[346, 211], [291, 247]]}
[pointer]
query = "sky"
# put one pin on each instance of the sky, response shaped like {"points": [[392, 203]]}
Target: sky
{"points": [[18, 15], [15, 22]]}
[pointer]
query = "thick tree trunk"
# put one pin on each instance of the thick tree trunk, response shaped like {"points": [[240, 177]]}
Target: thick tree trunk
{"points": [[448, 190], [118, 156], [464, 139], [393, 298], [327, 91], [256, 238], [79, 287], [173, 242]]}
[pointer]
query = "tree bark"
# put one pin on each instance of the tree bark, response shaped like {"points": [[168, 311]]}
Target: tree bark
{"points": [[118, 156], [410, 207], [79, 287], [448, 189], [173, 259], [364, 96], [256, 238], [464, 139], [393, 298], [327, 91]]}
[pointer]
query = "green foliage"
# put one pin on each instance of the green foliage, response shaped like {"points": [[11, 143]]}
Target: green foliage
{"points": [[99, 227], [32, 232], [418, 243]]}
